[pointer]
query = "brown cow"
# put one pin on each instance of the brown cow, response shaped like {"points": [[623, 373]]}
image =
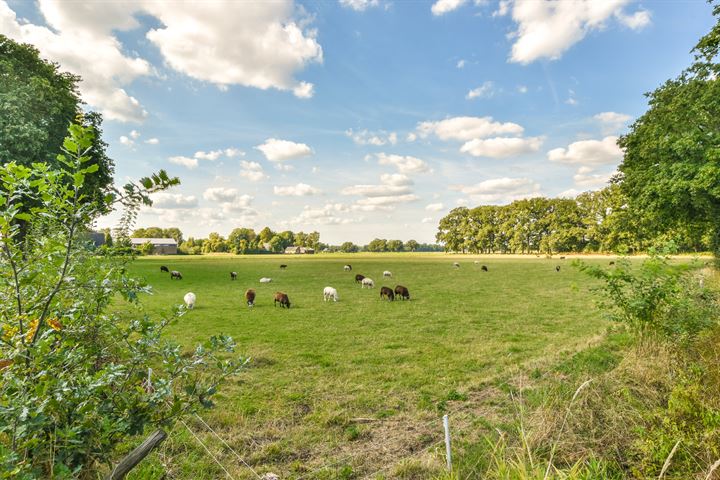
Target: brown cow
{"points": [[359, 278], [402, 292], [282, 298], [386, 292], [250, 297]]}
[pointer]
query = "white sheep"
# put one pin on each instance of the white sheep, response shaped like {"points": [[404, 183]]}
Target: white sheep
{"points": [[477, 262], [456, 265], [265, 280], [367, 282], [330, 293], [190, 300], [347, 268], [387, 273]]}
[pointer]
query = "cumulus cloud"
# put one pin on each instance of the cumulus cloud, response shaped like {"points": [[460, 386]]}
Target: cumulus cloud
{"points": [[277, 150], [212, 155], [411, 137], [253, 44], [522, 89], [468, 128], [611, 122], [173, 200], [460, 64], [486, 90], [588, 152], [548, 29], [227, 195], [330, 214], [427, 220], [404, 163], [299, 190], [589, 180], [125, 140], [434, 207], [396, 179], [253, 171], [365, 137], [184, 161], [441, 7], [502, 147], [387, 200], [499, 190], [376, 190], [359, 5], [152, 141]]}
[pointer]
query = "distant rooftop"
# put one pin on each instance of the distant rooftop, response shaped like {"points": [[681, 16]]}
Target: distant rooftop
{"points": [[154, 241]]}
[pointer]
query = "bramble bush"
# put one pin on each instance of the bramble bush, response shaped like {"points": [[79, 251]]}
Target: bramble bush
{"points": [[75, 380]]}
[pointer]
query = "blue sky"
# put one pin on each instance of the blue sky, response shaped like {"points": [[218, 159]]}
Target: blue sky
{"points": [[360, 118]]}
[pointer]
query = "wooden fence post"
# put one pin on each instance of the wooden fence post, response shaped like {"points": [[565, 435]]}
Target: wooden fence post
{"points": [[137, 455]]}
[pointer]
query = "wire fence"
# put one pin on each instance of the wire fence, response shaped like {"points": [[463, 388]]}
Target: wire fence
{"points": [[229, 460]]}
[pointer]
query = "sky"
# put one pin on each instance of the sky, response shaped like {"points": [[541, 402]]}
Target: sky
{"points": [[360, 118]]}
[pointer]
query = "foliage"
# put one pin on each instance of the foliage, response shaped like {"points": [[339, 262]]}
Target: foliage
{"points": [[76, 380], [349, 247], [157, 232], [37, 102], [671, 168], [147, 248]]}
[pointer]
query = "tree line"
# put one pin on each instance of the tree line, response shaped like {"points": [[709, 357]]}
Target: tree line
{"points": [[594, 221]]}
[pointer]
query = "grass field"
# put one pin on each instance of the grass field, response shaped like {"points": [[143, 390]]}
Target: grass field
{"points": [[363, 377]]}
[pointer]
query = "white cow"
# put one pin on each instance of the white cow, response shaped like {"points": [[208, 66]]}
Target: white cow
{"points": [[265, 280], [190, 300], [387, 273], [330, 293], [367, 282]]}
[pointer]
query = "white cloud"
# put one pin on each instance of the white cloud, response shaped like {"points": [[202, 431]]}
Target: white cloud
{"points": [[253, 171], [173, 200], [468, 128], [460, 63], [612, 121], [387, 200], [226, 195], [212, 155], [588, 152], [585, 178], [548, 29], [304, 90], [571, 100], [134, 134], [404, 163], [299, 190], [411, 137], [570, 193], [359, 5], [396, 179], [277, 150], [326, 215], [522, 89], [376, 190], [435, 207], [499, 190], [486, 90], [152, 141], [501, 147], [284, 167], [233, 152], [364, 137], [126, 141], [184, 161], [441, 7], [427, 220]]}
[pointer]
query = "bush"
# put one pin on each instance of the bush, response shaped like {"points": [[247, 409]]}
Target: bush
{"points": [[76, 379]]}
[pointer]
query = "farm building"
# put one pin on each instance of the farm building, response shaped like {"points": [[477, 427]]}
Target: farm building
{"points": [[161, 246], [299, 250]]}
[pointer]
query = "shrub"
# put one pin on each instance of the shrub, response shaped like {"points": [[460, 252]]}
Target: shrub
{"points": [[77, 380]]}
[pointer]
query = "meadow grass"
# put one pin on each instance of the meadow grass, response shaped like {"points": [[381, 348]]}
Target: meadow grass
{"points": [[363, 377]]}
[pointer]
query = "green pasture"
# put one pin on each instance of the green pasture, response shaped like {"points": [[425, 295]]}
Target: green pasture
{"points": [[327, 380]]}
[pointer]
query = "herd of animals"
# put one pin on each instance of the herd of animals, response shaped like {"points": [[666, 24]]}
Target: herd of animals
{"points": [[329, 293]]}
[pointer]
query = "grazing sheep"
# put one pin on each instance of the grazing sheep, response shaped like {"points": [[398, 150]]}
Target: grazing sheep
{"points": [[175, 274], [190, 300], [557, 268], [330, 293], [387, 273], [347, 267], [265, 280], [359, 278], [250, 297], [402, 292], [283, 266], [233, 275], [282, 298], [456, 265], [164, 269], [386, 292], [367, 282], [484, 268]]}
